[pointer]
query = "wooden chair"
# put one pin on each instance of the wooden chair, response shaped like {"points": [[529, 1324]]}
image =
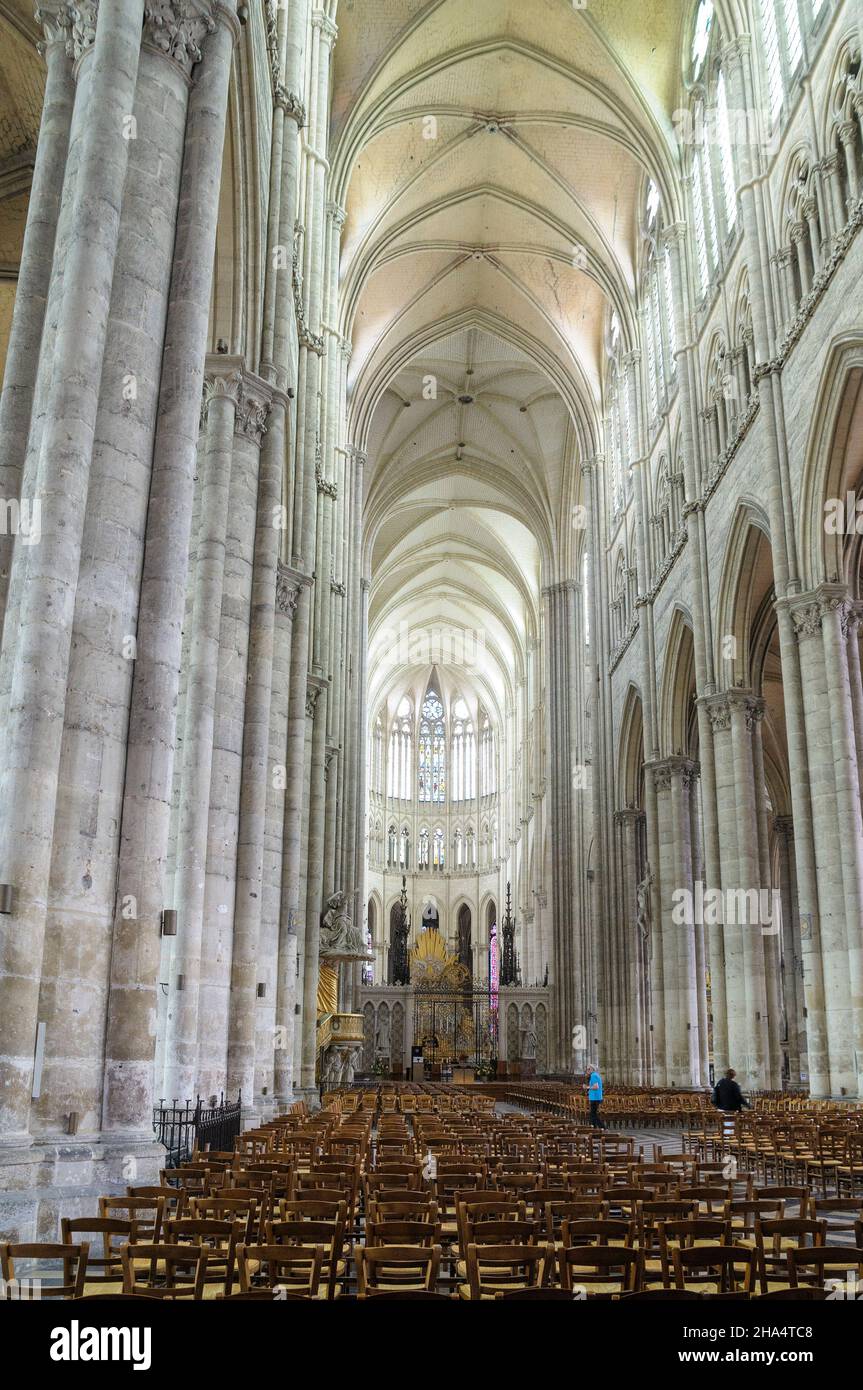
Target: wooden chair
{"points": [[164, 1271], [246, 1210], [307, 1233], [846, 1261], [840, 1213], [711, 1197], [786, 1193], [148, 1213], [580, 1232], [849, 1172], [105, 1271], [176, 1199], [494, 1269], [774, 1238], [396, 1268], [218, 1239], [648, 1216], [409, 1206], [18, 1284], [742, 1216], [688, 1233], [714, 1268], [402, 1233], [294, 1269], [599, 1271]]}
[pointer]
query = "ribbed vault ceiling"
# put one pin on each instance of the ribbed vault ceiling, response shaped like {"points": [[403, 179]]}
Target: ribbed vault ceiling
{"points": [[492, 160]]}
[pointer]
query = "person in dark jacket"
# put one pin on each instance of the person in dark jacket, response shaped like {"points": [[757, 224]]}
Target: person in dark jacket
{"points": [[727, 1095]]}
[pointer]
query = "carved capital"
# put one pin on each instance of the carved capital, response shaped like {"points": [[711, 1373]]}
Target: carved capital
{"points": [[806, 619], [252, 414], [329, 31], [82, 16], [288, 587], [735, 53], [746, 705], [177, 28], [289, 102], [222, 386], [55, 22], [678, 768], [719, 713]]}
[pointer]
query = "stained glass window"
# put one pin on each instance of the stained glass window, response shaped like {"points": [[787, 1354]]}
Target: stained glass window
{"points": [[772, 59], [432, 750], [701, 35]]}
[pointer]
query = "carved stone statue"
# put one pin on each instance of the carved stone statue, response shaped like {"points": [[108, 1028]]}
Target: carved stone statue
{"points": [[528, 1045], [643, 909], [350, 1057], [339, 936], [332, 1069], [382, 1038]]}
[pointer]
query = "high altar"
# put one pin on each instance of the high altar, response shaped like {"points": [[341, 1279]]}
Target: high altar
{"points": [[462, 1027]]}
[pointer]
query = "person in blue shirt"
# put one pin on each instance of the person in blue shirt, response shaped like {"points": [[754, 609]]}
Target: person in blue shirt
{"points": [[594, 1095]]}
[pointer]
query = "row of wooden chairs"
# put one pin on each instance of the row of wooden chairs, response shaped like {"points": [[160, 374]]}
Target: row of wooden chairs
{"points": [[173, 1270]]}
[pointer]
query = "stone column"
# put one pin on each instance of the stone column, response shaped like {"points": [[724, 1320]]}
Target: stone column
{"points": [[236, 685], [256, 779], [314, 885], [223, 395], [688, 370], [836, 614], [673, 778], [355, 721], [43, 631], [831, 845], [631, 982], [144, 829], [572, 1006], [34, 279], [791, 949], [771, 911], [745, 710], [103, 651], [292, 922]]}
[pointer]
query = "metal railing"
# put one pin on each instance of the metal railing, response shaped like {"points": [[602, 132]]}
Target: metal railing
{"points": [[183, 1129]]}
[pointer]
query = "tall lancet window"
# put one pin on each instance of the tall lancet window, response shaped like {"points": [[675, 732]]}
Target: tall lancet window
{"points": [[488, 780], [463, 767], [438, 851], [423, 851], [400, 778], [377, 758], [432, 750]]}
